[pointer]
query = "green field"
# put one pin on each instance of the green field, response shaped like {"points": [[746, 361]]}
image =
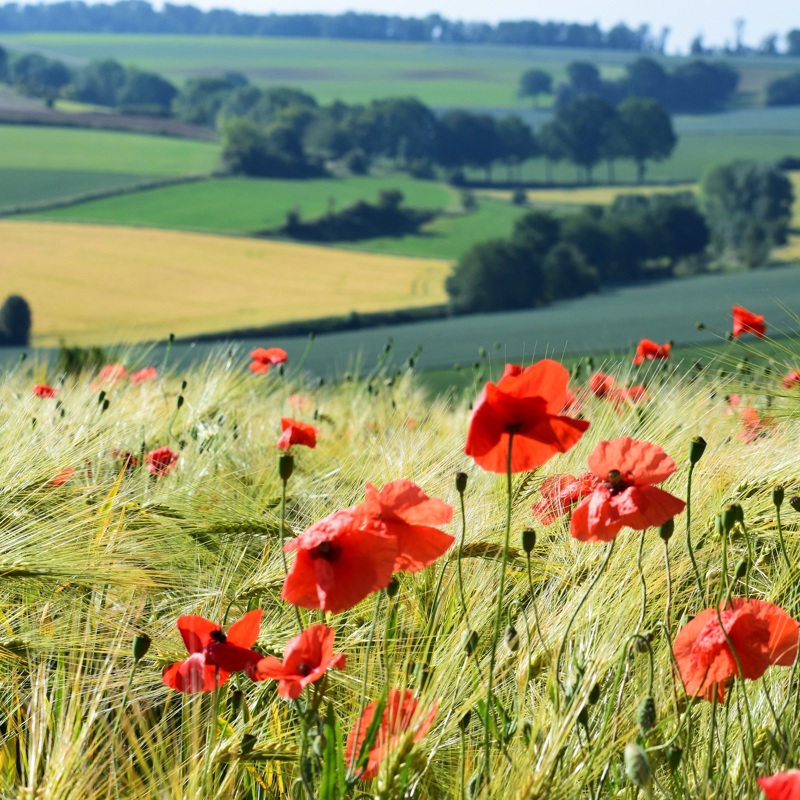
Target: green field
{"points": [[353, 71], [242, 205]]}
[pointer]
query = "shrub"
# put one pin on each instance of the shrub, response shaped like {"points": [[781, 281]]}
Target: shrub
{"points": [[15, 321]]}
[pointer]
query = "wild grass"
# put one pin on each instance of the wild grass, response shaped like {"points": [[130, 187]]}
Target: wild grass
{"points": [[109, 285], [111, 554]]}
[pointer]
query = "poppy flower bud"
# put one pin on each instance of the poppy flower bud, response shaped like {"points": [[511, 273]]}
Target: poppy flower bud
{"points": [[237, 698], [777, 496], [512, 638], [141, 644], [741, 569], [667, 529], [674, 757], [794, 502], [247, 744], [463, 723], [101, 397], [646, 714], [527, 731], [105, 405], [180, 401], [461, 482], [469, 641], [285, 466], [729, 518], [696, 449], [636, 767], [393, 587], [594, 695], [528, 540]]}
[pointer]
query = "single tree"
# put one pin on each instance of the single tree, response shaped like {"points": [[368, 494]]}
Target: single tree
{"points": [[646, 132], [534, 83], [15, 321], [583, 127]]}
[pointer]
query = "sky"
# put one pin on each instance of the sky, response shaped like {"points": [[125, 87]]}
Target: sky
{"points": [[686, 18]]}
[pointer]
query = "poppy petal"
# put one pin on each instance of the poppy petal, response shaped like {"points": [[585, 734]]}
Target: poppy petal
{"points": [[244, 632], [196, 632]]}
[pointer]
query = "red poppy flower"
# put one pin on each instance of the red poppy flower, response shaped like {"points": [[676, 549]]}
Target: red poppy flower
{"points": [[306, 659], [340, 560], [526, 403], [745, 321], [792, 379], [560, 493], [161, 462], [65, 475], [45, 391], [401, 717], [409, 515], [625, 495], [296, 432], [109, 375], [265, 357], [650, 350], [754, 426], [782, 786], [761, 633], [601, 384], [144, 375], [213, 654]]}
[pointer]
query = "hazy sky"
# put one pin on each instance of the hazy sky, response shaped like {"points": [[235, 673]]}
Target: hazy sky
{"points": [[686, 18]]}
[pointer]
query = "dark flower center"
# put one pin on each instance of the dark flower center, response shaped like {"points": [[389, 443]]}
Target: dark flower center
{"points": [[327, 550], [218, 636], [303, 668], [615, 483]]}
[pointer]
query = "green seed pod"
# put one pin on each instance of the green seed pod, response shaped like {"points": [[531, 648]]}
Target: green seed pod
{"points": [[667, 529], [393, 587], [141, 644], [461, 482], [741, 569], [696, 449], [729, 517], [674, 755], [512, 638], [528, 540], [646, 714], [777, 496], [637, 768], [285, 466], [469, 641]]}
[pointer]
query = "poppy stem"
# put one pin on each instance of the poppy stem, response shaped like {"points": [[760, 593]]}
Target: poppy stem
{"points": [[574, 614], [498, 616], [461, 594], [643, 582], [781, 539], [689, 528], [535, 607], [284, 481]]}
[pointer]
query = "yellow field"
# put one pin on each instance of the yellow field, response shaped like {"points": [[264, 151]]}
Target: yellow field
{"points": [[101, 285], [589, 195]]}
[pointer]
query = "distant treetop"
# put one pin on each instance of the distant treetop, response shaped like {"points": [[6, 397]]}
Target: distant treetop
{"points": [[138, 16]]}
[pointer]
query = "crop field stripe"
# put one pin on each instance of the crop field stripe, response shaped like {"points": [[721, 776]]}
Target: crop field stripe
{"points": [[99, 284], [76, 149]]}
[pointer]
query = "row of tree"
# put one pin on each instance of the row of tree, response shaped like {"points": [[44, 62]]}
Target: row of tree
{"points": [[695, 86], [784, 91], [550, 258], [136, 16], [105, 82], [405, 132], [746, 210]]}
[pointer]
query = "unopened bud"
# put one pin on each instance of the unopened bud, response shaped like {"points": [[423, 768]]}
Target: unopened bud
{"points": [[463, 723], [637, 768], [646, 714], [180, 401], [777, 496], [794, 502], [674, 755], [741, 569], [528, 540], [247, 744], [393, 587], [696, 449], [461, 482], [285, 466], [237, 698], [729, 518], [667, 529], [594, 695], [512, 638], [469, 641], [141, 644]]}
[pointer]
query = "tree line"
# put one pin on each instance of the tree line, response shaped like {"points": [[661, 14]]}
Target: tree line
{"points": [[137, 16], [745, 210], [693, 87]]}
